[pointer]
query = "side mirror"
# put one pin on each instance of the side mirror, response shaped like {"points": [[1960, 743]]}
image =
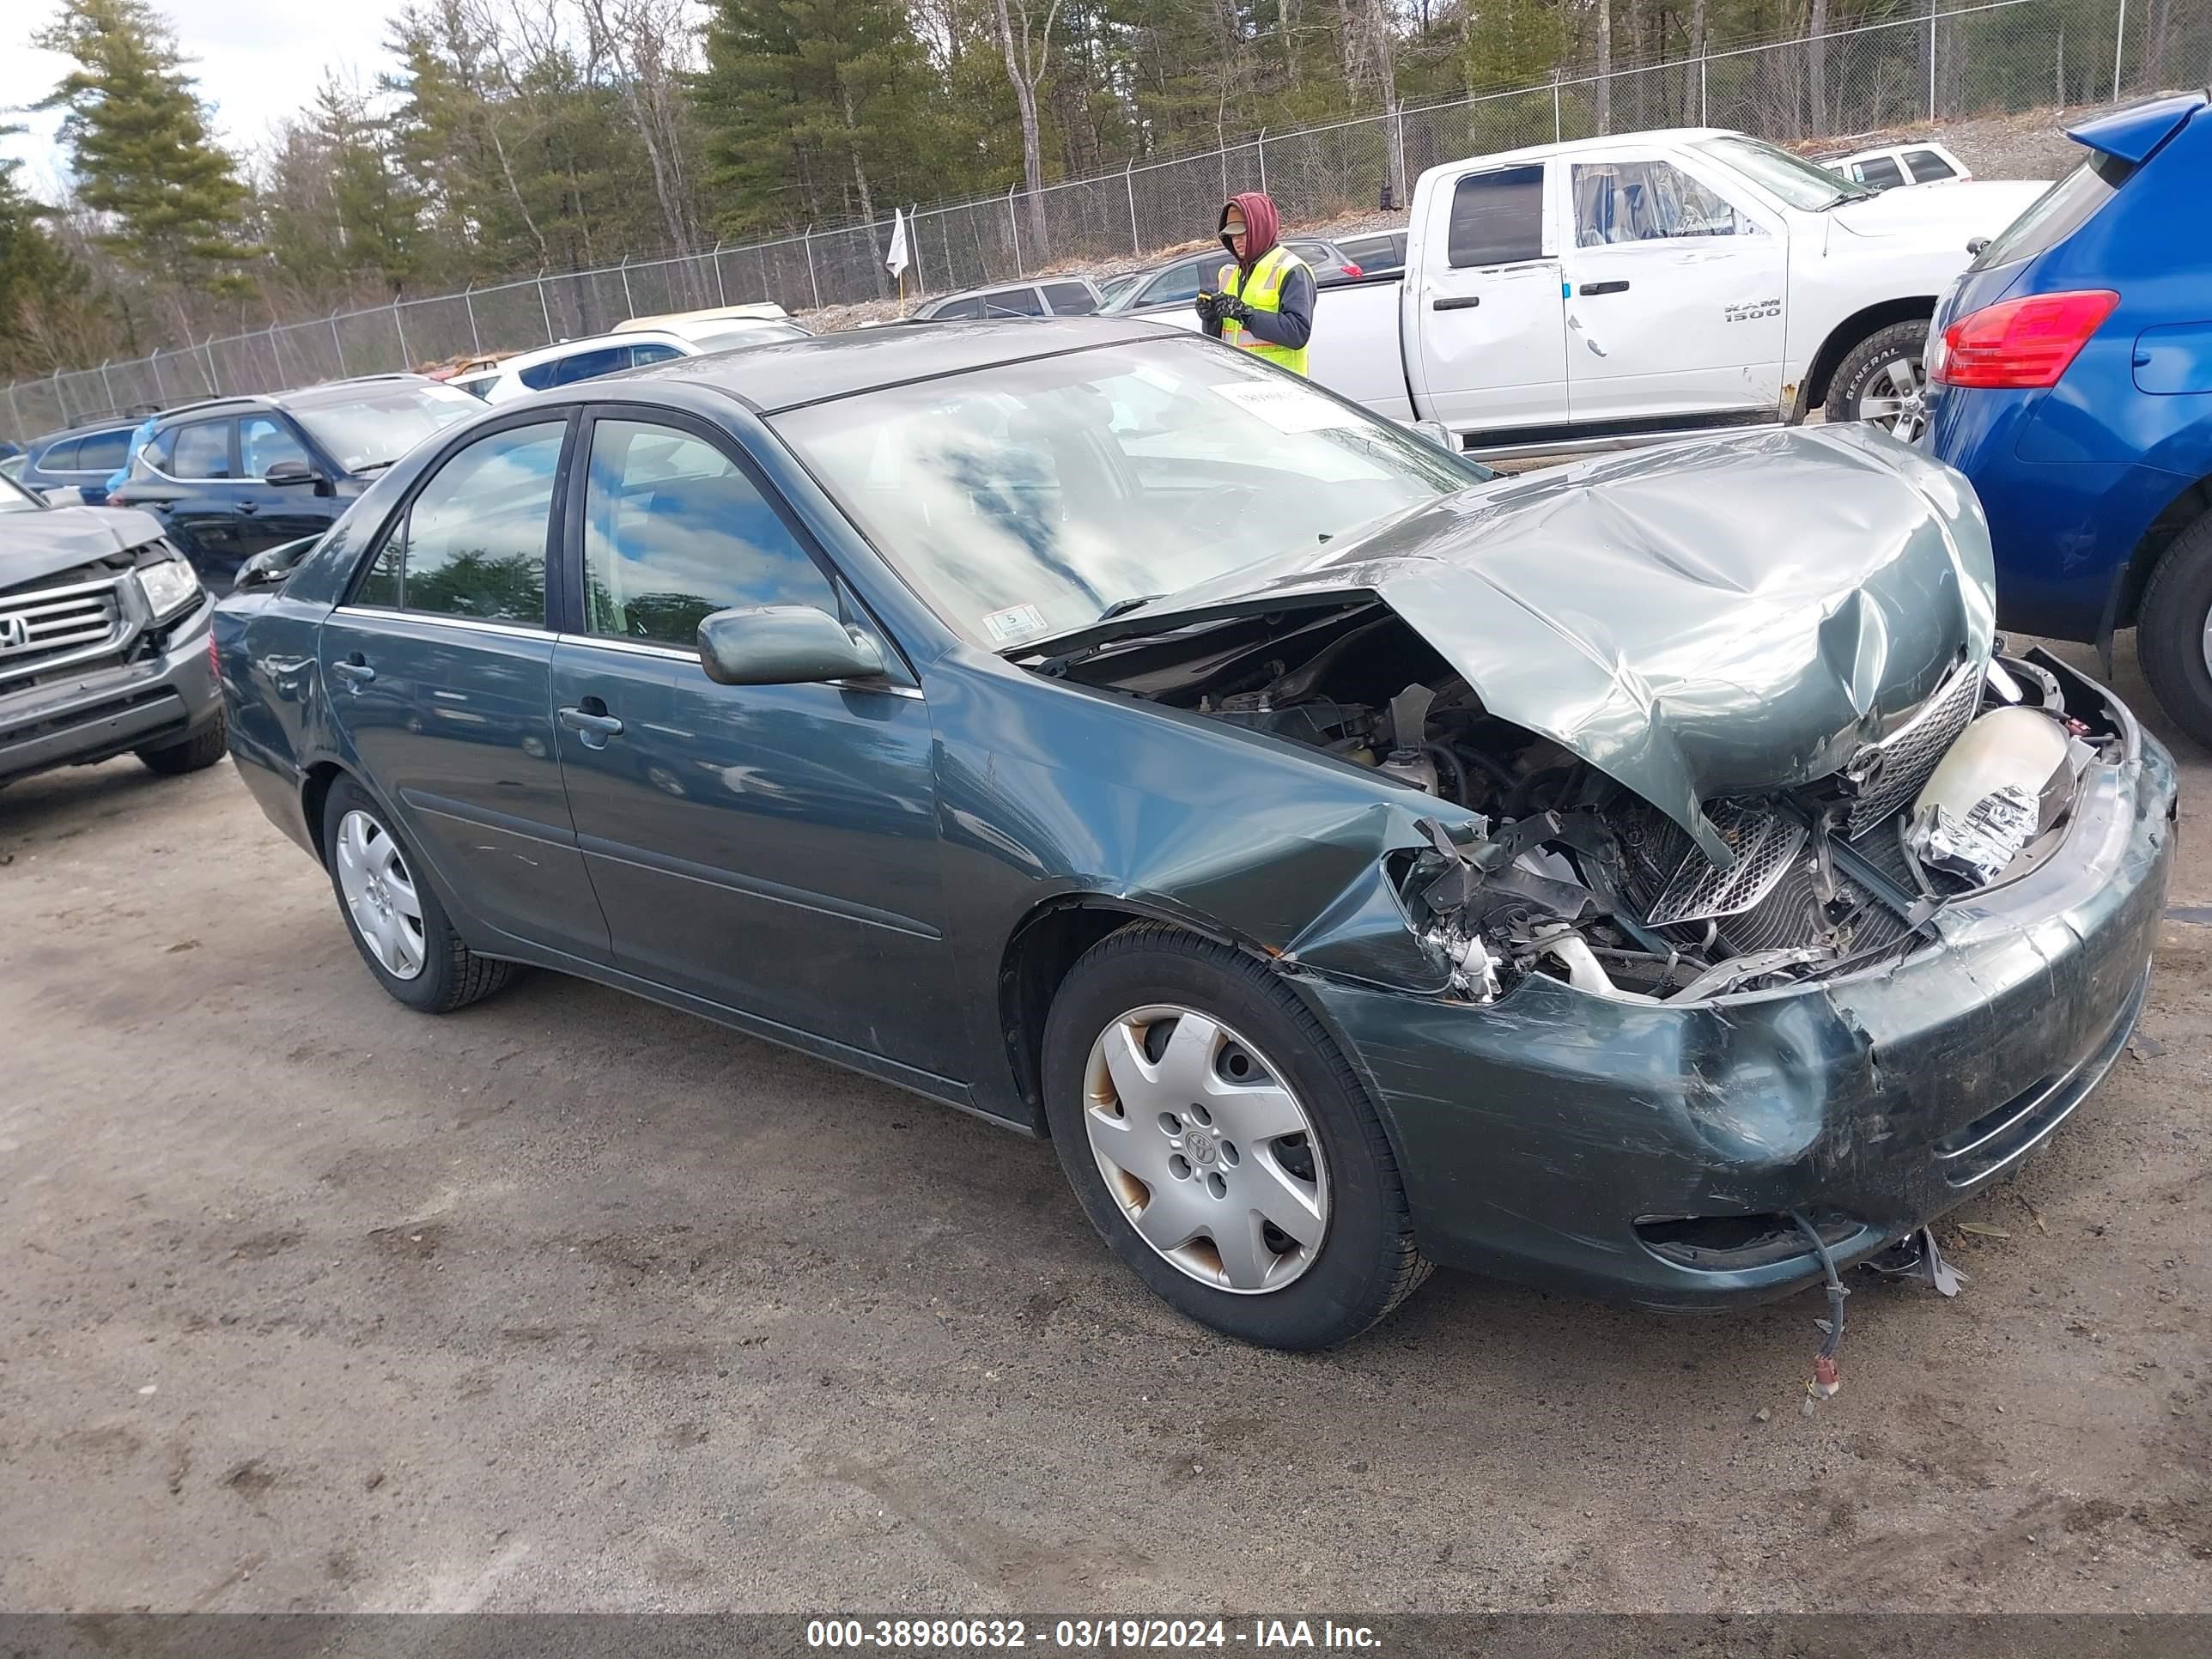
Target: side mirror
{"points": [[281, 473], [1975, 243], [271, 565], [783, 645]]}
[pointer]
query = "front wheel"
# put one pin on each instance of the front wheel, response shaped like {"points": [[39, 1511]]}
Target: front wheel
{"points": [[2173, 631], [1222, 1145], [194, 754], [1884, 381]]}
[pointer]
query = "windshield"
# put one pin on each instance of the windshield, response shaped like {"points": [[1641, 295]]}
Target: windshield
{"points": [[1026, 499], [1793, 179], [13, 498], [726, 336], [373, 425]]}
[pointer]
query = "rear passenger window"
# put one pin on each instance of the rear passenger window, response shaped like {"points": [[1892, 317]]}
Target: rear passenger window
{"points": [[472, 543], [590, 364], [1880, 173], [1070, 299], [1180, 283], [104, 450], [674, 531], [59, 458], [1013, 302], [203, 451], [958, 310], [1926, 167], [1498, 218], [653, 351]]}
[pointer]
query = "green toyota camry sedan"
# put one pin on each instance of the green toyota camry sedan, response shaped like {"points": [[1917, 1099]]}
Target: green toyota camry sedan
{"points": [[1651, 876]]}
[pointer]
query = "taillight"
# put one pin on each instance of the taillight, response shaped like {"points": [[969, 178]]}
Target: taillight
{"points": [[2024, 343], [1350, 269]]}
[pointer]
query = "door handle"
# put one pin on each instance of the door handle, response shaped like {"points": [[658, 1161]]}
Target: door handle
{"points": [[1602, 288], [249, 507], [353, 670], [1464, 302], [590, 722]]}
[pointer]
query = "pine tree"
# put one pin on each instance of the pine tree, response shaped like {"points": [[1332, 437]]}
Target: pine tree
{"points": [[137, 134], [37, 278]]}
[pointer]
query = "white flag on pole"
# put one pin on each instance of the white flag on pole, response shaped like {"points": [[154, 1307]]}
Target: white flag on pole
{"points": [[897, 263]]}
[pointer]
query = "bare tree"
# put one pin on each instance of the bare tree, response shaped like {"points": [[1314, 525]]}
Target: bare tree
{"points": [[1816, 65], [1029, 53], [1604, 66], [642, 41], [1370, 67]]}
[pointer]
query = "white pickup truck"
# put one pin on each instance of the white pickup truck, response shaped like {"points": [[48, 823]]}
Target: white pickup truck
{"points": [[1617, 290]]}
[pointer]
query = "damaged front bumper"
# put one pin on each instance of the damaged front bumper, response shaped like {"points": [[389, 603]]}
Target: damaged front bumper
{"points": [[1653, 1153]]}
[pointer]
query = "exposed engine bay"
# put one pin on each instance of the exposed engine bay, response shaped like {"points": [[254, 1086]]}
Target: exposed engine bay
{"points": [[1555, 868]]}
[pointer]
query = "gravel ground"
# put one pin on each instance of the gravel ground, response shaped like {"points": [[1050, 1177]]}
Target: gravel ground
{"points": [[568, 1302]]}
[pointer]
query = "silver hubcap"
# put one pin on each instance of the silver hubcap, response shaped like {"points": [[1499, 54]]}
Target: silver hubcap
{"points": [[1896, 399], [2208, 640], [1213, 1160], [379, 895]]}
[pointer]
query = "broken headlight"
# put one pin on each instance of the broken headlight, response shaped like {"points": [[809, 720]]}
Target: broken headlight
{"points": [[170, 586]]}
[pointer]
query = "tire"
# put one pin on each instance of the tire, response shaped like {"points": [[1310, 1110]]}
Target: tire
{"points": [[1864, 375], [194, 754], [2170, 636], [1359, 1260], [445, 974]]}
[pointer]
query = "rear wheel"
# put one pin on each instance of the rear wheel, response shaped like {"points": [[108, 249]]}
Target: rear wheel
{"points": [[398, 925], [1221, 1144], [194, 754], [1884, 381], [2173, 631]]}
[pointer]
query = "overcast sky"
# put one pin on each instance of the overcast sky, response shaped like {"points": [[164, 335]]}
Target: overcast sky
{"points": [[256, 61]]}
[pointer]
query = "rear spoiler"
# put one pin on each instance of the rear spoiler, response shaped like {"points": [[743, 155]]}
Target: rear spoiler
{"points": [[2134, 134]]}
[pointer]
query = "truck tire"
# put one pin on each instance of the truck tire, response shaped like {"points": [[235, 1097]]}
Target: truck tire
{"points": [[1883, 380], [2170, 631], [192, 755], [1195, 1104]]}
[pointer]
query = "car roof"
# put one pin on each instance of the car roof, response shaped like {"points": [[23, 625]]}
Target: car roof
{"points": [[753, 311], [87, 429], [305, 397], [792, 373], [560, 348]]}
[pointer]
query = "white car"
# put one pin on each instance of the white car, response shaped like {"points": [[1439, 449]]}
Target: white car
{"points": [[1898, 165], [700, 326], [629, 348], [1630, 289]]}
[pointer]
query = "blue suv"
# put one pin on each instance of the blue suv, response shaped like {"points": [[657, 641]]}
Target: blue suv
{"points": [[2070, 378]]}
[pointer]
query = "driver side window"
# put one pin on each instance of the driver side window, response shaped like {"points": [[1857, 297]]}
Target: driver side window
{"points": [[1648, 202]]}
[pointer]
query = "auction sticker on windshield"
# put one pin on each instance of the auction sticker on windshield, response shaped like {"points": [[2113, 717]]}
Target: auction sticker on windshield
{"points": [[1288, 407], [1019, 621]]}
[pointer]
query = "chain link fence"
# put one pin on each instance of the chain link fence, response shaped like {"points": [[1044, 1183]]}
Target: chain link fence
{"points": [[2003, 57]]}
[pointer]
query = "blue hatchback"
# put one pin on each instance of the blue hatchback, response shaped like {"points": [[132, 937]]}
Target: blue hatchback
{"points": [[2071, 378]]}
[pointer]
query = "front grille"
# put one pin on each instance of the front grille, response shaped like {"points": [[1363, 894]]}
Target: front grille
{"points": [[43, 624], [1909, 755], [1764, 843]]}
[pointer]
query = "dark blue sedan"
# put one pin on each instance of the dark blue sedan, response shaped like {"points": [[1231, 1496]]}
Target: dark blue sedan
{"points": [[1353, 860], [2070, 378]]}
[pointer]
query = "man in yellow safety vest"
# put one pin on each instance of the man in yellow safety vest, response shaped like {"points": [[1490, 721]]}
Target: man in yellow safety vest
{"points": [[1264, 303]]}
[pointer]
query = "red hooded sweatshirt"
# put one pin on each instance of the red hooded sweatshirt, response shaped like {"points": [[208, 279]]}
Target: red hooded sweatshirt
{"points": [[1292, 325]]}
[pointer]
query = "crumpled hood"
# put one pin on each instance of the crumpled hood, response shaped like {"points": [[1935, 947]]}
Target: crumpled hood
{"points": [[35, 544], [1976, 207], [1712, 618]]}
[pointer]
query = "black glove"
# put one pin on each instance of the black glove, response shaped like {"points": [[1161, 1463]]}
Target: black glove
{"points": [[1228, 308], [1206, 306]]}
